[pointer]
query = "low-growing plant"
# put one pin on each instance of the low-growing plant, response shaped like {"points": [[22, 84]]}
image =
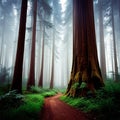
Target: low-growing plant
{"points": [[28, 111], [11, 99], [35, 89], [4, 89], [75, 85], [104, 106], [46, 92], [49, 93]]}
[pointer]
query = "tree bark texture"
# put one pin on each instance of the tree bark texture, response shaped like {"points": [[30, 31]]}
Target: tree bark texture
{"points": [[31, 79], [17, 77], [85, 66]]}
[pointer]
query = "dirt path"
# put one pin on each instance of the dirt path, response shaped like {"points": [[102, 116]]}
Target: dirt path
{"points": [[54, 109]]}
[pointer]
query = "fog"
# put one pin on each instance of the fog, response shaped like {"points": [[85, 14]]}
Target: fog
{"points": [[54, 26]]}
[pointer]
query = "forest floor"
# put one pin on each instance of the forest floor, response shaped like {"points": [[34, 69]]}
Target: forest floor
{"points": [[55, 109]]}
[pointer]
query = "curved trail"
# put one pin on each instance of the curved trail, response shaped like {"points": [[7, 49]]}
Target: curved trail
{"points": [[54, 109]]}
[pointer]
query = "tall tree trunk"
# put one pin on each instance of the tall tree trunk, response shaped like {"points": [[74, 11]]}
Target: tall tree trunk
{"points": [[52, 72], [6, 57], [17, 77], [39, 54], [85, 66], [112, 60], [2, 39], [119, 9], [40, 84], [114, 44], [67, 52], [102, 45], [31, 79]]}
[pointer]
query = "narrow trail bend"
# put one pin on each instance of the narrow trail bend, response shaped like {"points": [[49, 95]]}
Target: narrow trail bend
{"points": [[54, 109]]}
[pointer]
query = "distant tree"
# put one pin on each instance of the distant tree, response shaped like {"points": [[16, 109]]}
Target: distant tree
{"points": [[53, 59], [119, 7], [102, 44], [40, 84], [4, 74], [110, 14], [114, 42], [46, 12], [17, 77], [53, 51], [3, 25], [85, 66], [31, 78]]}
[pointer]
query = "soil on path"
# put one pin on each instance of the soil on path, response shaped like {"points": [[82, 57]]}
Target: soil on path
{"points": [[54, 109]]}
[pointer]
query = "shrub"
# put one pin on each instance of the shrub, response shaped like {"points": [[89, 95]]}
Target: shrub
{"points": [[28, 111], [104, 106], [11, 99]]}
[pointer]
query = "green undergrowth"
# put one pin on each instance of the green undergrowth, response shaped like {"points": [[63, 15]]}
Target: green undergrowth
{"points": [[28, 106], [27, 110], [62, 90], [105, 106], [46, 92], [4, 89]]}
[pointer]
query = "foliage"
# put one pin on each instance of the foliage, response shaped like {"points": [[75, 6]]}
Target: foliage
{"points": [[27, 106], [43, 91], [75, 85], [4, 80], [34, 89], [49, 93], [10, 99], [28, 111], [4, 89], [4, 74], [62, 90], [104, 106]]}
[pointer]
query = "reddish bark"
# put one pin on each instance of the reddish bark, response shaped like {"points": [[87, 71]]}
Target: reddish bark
{"points": [[17, 77], [31, 79], [85, 66]]}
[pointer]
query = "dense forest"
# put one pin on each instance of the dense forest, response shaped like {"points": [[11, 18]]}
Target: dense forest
{"points": [[59, 46], [47, 46], [53, 40]]}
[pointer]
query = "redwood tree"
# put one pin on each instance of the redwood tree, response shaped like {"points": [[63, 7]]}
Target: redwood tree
{"points": [[17, 77], [40, 83], [53, 60], [31, 79], [85, 66]]}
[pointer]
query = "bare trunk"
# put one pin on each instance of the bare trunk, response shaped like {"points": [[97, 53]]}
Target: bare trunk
{"points": [[119, 8], [102, 45], [39, 54], [17, 77], [114, 45], [85, 66], [52, 72], [31, 79], [2, 41], [40, 84]]}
